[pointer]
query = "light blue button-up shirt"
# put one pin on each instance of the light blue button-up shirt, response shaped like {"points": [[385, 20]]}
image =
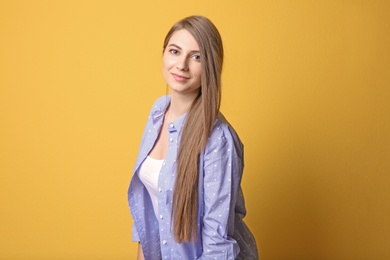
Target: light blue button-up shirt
{"points": [[221, 232]]}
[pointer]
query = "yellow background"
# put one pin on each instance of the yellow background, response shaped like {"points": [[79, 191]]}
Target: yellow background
{"points": [[306, 84]]}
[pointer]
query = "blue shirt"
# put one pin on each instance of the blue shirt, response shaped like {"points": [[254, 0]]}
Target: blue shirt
{"points": [[221, 232]]}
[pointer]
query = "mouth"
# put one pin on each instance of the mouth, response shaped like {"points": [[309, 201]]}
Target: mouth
{"points": [[180, 78]]}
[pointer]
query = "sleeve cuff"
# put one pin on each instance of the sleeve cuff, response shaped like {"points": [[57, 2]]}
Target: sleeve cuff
{"points": [[134, 237]]}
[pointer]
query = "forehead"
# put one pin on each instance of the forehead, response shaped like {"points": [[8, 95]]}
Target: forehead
{"points": [[184, 40]]}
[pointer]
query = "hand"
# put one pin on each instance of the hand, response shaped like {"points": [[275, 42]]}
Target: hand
{"points": [[140, 255]]}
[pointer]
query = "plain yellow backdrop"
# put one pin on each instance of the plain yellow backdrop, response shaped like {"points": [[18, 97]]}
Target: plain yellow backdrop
{"points": [[305, 84]]}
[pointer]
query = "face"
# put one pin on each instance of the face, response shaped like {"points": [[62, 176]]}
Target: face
{"points": [[181, 63]]}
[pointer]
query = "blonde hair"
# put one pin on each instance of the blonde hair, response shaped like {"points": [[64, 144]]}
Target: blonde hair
{"points": [[198, 125]]}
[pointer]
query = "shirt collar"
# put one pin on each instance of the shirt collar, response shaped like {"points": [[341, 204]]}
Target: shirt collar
{"points": [[158, 116]]}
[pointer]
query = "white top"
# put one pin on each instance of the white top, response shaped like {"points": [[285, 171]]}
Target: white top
{"points": [[148, 174]]}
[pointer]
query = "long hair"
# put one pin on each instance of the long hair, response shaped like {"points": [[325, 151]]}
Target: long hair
{"points": [[198, 125]]}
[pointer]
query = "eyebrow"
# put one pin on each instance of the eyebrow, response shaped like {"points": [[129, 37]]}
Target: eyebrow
{"points": [[177, 46]]}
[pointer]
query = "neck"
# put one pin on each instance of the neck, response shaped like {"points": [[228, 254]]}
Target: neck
{"points": [[180, 104]]}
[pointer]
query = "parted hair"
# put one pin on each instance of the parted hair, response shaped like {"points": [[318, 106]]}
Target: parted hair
{"points": [[198, 125]]}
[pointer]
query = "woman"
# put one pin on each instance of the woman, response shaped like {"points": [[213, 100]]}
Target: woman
{"points": [[185, 195]]}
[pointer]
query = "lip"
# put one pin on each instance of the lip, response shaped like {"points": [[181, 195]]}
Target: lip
{"points": [[179, 78]]}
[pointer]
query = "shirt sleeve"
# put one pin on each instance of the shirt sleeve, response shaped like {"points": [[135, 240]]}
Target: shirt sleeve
{"points": [[135, 237], [222, 175]]}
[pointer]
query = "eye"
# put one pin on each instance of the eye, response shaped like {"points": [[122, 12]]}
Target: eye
{"points": [[196, 57], [173, 51]]}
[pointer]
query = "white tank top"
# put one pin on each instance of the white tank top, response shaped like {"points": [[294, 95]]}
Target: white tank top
{"points": [[148, 174]]}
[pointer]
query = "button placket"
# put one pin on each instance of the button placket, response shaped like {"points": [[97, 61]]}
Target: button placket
{"points": [[164, 191]]}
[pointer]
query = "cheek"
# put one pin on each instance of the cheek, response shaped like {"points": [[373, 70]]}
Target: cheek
{"points": [[197, 71], [167, 62], [166, 66]]}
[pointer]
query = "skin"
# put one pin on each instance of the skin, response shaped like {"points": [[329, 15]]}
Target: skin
{"points": [[140, 255], [181, 65], [182, 73]]}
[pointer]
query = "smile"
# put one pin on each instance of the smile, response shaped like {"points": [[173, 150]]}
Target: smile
{"points": [[179, 78]]}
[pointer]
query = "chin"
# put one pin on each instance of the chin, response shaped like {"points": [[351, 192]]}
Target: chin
{"points": [[178, 88]]}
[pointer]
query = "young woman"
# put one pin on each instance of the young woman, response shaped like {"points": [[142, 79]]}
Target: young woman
{"points": [[185, 195]]}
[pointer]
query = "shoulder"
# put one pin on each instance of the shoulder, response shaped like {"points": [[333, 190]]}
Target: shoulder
{"points": [[222, 128], [159, 106], [223, 133], [157, 110], [160, 103]]}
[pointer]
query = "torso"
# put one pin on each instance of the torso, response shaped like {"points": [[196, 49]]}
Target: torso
{"points": [[224, 150], [160, 148]]}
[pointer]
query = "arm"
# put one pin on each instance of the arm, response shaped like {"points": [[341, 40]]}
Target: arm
{"points": [[140, 254], [222, 175]]}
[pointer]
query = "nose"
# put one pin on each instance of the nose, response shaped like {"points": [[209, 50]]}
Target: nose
{"points": [[182, 64]]}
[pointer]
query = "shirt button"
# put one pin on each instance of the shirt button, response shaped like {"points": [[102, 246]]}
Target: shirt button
{"points": [[171, 125], [161, 217], [164, 242], [171, 139], [159, 190]]}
